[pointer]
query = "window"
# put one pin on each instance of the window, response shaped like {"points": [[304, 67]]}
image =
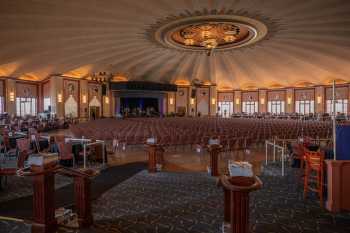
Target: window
{"points": [[26, 106], [250, 107], [47, 103], [2, 105], [341, 106], [225, 109], [304, 106], [276, 106]]}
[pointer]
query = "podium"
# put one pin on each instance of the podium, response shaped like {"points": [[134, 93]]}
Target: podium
{"points": [[214, 151], [236, 201], [155, 156], [44, 199], [44, 196]]}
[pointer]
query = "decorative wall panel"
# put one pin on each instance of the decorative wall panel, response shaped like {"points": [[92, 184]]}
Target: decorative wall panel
{"points": [[340, 93], [304, 94], [250, 96], [276, 95], [225, 97], [26, 90]]}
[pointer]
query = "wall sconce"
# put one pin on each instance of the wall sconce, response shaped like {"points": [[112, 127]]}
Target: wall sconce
{"points": [[192, 101], [171, 101], [12, 96], [262, 101], [106, 99], [319, 99], [213, 101], [59, 98], [237, 101], [289, 100], [84, 100]]}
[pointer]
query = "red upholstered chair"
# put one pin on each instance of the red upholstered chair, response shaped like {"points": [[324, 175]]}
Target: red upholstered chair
{"points": [[65, 153], [314, 174]]}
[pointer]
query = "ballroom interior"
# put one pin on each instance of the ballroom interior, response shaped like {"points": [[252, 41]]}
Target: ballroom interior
{"points": [[186, 116]]}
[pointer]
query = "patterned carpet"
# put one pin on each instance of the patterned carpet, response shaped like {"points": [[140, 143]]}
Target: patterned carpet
{"points": [[17, 187], [191, 203]]}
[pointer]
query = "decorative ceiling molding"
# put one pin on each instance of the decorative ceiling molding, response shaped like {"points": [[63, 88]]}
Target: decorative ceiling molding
{"points": [[261, 27]]}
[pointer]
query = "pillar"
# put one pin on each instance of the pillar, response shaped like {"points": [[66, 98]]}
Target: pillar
{"points": [[10, 96], [237, 101], [57, 96], [320, 99], [171, 102], [213, 100], [263, 101], [290, 101], [106, 102], [84, 99]]}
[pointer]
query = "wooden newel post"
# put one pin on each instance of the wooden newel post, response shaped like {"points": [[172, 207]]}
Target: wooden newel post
{"points": [[236, 205], [155, 156], [82, 200], [43, 200], [214, 151]]}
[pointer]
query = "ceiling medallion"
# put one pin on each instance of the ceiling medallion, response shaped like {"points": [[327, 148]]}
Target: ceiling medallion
{"points": [[208, 32]]}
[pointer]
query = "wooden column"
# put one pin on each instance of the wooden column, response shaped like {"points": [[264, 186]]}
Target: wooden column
{"points": [[214, 151], [155, 156], [236, 205], [82, 200], [44, 202], [338, 189]]}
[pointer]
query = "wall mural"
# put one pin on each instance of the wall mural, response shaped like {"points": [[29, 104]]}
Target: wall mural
{"points": [[71, 96], [71, 88], [95, 93]]}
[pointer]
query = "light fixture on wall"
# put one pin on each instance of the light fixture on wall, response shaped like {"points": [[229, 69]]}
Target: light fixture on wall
{"points": [[192, 101], [12, 96], [319, 99], [289, 100], [59, 98], [171, 101], [106, 99], [84, 100], [262, 101], [237, 101], [213, 101]]}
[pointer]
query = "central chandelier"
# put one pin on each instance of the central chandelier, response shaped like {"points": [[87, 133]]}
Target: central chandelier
{"points": [[209, 35], [101, 77]]}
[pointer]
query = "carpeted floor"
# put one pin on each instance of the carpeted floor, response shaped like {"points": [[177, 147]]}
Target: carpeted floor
{"points": [[192, 203], [22, 207]]}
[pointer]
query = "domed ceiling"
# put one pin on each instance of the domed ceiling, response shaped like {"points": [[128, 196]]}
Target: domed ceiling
{"points": [[233, 43]]}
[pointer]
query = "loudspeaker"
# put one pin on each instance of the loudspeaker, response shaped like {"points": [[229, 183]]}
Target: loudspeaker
{"points": [[104, 89], [193, 93], [49, 108]]}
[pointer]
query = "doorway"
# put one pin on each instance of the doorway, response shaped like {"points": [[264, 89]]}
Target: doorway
{"points": [[94, 112]]}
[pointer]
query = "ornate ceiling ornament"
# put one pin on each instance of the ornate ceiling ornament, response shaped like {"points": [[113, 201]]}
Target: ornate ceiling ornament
{"points": [[219, 30]]}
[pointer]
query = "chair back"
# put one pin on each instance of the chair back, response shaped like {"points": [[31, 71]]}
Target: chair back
{"points": [[65, 151], [23, 144], [314, 159]]}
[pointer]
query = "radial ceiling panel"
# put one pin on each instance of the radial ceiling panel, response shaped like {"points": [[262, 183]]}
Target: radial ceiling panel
{"points": [[306, 41]]}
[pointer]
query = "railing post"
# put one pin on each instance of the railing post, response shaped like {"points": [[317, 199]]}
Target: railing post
{"points": [[282, 161], [274, 150], [266, 152]]}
